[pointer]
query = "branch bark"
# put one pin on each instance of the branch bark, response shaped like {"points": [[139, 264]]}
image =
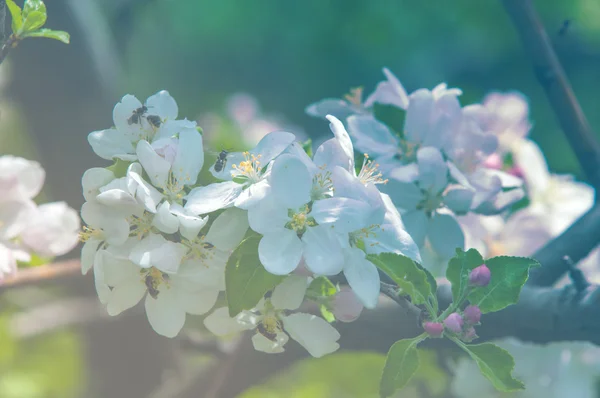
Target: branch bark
{"points": [[35, 275], [551, 76]]}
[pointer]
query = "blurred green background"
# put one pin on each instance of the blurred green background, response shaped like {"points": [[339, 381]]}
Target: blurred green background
{"points": [[286, 55]]}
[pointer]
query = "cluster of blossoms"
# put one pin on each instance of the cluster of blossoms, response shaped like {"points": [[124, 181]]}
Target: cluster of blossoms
{"points": [[153, 231], [27, 230], [434, 161]]}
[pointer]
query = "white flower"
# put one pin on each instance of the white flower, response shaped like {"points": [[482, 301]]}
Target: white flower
{"points": [[20, 179], [389, 92], [135, 121], [246, 174], [273, 324], [173, 288], [8, 263], [53, 230], [508, 118], [559, 198]]}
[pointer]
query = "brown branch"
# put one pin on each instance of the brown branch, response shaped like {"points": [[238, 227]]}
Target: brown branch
{"points": [[560, 94], [7, 46], [29, 276]]}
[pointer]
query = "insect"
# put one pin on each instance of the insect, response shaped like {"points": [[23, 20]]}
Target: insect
{"points": [[564, 27], [269, 332], [221, 161], [137, 114], [154, 120], [152, 291]]}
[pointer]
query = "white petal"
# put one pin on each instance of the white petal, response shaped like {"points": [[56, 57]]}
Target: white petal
{"points": [[88, 254], [280, 252], [416, 225], [390, 92], [330, 106], [341, 135], [313, 333], [261, 343], [253, 194], [267, 216], [221, 324], [445, 234], [272, 145], [189, 225], [111, 143], [291, 181], [20, 178], [165, 313], [124, 296], [8, 262], [289, 294], [345, 215], [433, 172], [330, 154], [156, 251], [418, 115], [362, 277], [122, 112], [198, 302], [204, 200], [146, 194], [93, 179], [371, 136], [164, 220], [190, 157], [322, 251], [228, 229], [459, 200], [163, 105], [155, 165], [406, 195]]}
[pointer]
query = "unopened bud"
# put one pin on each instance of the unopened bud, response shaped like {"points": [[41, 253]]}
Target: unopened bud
{"points": [[434, 329], [472, 314], [494, 161], [469, 335], [454, 322], [346, 307], [480, 276]]}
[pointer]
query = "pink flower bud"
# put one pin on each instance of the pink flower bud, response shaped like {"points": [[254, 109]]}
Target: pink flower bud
{"points": [[469, 334], [480, 276], [494, 161], [346, 307], [454, 322], [516, 171], [472, 314], [434, 329]]}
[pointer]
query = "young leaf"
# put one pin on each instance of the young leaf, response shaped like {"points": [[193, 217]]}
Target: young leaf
{"points": [[459, 268], [321, 287], [496, 364], [34, 15], [50, 34], [307, 146], [246, 280], [400, 365], [509, 274], [16, 16], [407, 274]]}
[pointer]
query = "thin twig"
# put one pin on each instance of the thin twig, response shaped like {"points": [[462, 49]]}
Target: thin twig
{"points": [[391, 291], [29, 276], [560, 94]]}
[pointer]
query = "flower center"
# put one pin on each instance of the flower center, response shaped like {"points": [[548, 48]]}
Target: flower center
{"points": [[430, 202], [141, 226], [300, 220], [369, 172], [322, 186], [357, 237], [87, 233], [153, 278], [200, 250], [250, 167], [270, 326]]}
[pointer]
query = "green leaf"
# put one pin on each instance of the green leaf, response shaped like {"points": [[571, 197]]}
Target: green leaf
{"points": [[326, 314], [400, 365], [406, 273], [496, 364], [50, 34], [119, 168], [459, 268], [246, 280], [307, 146], [16, 16], [321, 287], [509, 274], [34, 15], [391, 116]]}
